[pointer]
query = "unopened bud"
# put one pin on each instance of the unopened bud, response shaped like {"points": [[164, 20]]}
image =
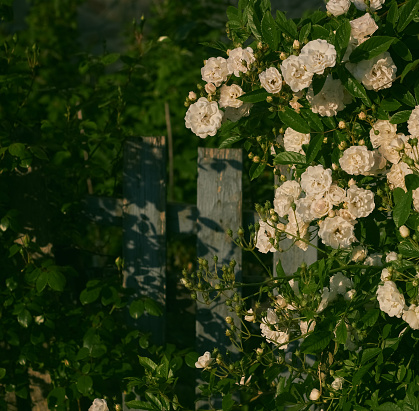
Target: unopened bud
{"points": [[342, 145], [283, 56], [315, 394], [342, 125], [269, 99], [260, 45], [335, 167], [256, 159], [362, 115], [361, 142], [296, 45], [192, 96], [404, 231]]}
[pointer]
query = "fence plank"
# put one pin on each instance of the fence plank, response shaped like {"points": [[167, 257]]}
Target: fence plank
{"points": [[219, 204], [144, 225]]}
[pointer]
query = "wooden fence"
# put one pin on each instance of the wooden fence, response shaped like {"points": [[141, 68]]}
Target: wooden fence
{"points": [[146, 218]]}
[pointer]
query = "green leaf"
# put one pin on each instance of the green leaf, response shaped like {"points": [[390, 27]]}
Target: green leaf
{"points": [[410, 403], [370, 317], [110, 58], [390, 104], [412, 181], [229, 141], [191, 358], [408, 249], [216, 45], [38, 152], [269, 31], [256, 170], [41, 281], [56, 280], [343, 34], [287, 26], [17, 150], [228, 402], [90, 293], [289, 157], [141, 405], [371, 48], [304, 33], [254, 96], [341, 332], [402, 93], [56, 397], [292, 119], [400, 117], [82, 353], [402, 209], [153, 307], [148, 364], [388, 406], [232, 13], [252, 21], [408, 68], [393, 14], [318, 83], [354, 88], [312, 119], [401, 50], [24, 318], [316, 342], [2, 373], [407, 13], [280, 270], [360, 373], [314, 147], [319, 32], [84, 384], [369, 353], [136, 309]]}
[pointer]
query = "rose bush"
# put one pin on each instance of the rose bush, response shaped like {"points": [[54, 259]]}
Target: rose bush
{"points": [[333, 103]]}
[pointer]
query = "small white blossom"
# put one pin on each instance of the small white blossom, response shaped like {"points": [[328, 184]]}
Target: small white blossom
{"points": [[250, 317], [415, 195], [271, 80], [411, 316], [336, 232], [229, 94], [374, 4], [337, 384], [404, 231], [99, 405], [204, 118], [360, 201], [204, 361], [297, 228], [397, 174], [235, 114], [265, 233], [382, 131], [271, 330], [315, 394], [390, 299], [317, 55], [294, 140], [295, 73], [339, 284], [391, 256], [338, 7], [316, 180], [385, 275], [336, 194], [290, 188], [374, 260], [359, 253], [363, 27], [307, 326], [237, 57], [215, 71], [357, 160], [349, 295], [413, 122]]}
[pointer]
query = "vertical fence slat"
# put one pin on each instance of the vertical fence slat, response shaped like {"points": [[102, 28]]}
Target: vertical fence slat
{"points": [[144, 226], [219, 204]]}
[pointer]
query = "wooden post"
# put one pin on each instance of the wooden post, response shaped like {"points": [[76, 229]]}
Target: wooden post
{"points": [[144, 226], [219, 204]]}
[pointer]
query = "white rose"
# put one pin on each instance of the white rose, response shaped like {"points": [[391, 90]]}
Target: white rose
{"points": [[210, 88], [329, 100], [204, 361], [282, 204], [363, 27], [397, 174], [382, 131], [380, 163], [336, 194], [346, 215], [99, 405], [391, 256], [360, 201], [229, 94], [415, 195], [374, 260], [326, 298], [271, 330], [359, 253], [339, 284], [290, 188], [413, 122], [377, 73], [320, 207], [215, 71], [317, 55], [303, 208], [235, 114], [294, 140], [297, 228], [204, 118], [338, 7], [411, 316], [315, 394], [385, 275], [349, 295], [306, 327], [390, 150], [250, 317], [295, 73], [337, 384], [390, 299], [374, 4], [316, 181], [271, 80], [235, 60], [357, 160], [336, 232], [265, 233]]}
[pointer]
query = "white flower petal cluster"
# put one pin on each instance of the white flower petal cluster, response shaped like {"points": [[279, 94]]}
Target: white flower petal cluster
{"points": [[374, 4], [329, 100], [237, 57], [360, 201], [339, 284], [294, 140], [285, 195], [99, 405], [204, 118], [229, 94], [390, 299], [338, 7], [357, 160], [306, 326], [317, 55], [375, 74], [290, 188], [295, 73], [359, 253], [382, 132], [374, 260], [265, 233], [390, 150], [235, 114], [337, 384], [204, 361], [297, 228], [250, 317], [314, 394], [312, 208], [271, 330], [413, 122], [336, 195], [363, 27], [397, 174], [411, 316], [271, 80], [391, 256], [316, 181], [336, 232], [385, 275], [215, 71]]}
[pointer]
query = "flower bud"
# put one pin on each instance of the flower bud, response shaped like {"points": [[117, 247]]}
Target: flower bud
{"points": [[335, 167], [351, 182], [361, 142], [362, 115], [342, 125], [315, 394], [192, 96], [210, 88], [283, 56], [342, 145], [404, 231], [269, 99], [256, 159], [296, 45]]}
